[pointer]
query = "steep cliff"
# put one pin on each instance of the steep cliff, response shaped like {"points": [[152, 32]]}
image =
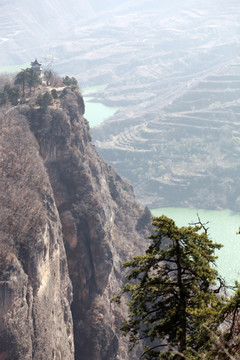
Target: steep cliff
{"points": [[102, 226], [99, 216], [35, 289]]}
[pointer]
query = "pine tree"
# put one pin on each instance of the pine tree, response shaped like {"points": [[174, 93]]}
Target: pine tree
{"points": [[175, 306], [27, 77], [13, 93], [21, 79], [33, 79]]}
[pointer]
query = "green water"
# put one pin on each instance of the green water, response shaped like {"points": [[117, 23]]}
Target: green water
{"points": [[96, 112], [223, 226], [13, 68]]}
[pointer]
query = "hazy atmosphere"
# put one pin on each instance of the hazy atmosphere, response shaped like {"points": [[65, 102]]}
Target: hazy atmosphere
{"points": [[172, 72], [132, 107]]}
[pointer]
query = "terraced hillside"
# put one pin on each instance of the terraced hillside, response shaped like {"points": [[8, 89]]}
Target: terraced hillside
{"points": [[176, 134], [172, 69], [188, 153]]}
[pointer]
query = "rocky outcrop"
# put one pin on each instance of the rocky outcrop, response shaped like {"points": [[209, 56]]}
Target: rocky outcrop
{"points": [[85, 201], [35, 289]]}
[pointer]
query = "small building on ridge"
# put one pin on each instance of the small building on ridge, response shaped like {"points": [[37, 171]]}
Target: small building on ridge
{"points": [[37, 66]]}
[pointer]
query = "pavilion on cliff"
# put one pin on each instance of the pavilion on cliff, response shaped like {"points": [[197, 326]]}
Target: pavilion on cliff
{"points": [[37, 66]]}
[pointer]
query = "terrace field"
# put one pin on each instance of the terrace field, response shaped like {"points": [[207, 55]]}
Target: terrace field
{"points": [[173, 72]]}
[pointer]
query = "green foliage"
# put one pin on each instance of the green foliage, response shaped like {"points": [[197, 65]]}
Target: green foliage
{"points": [[44, 100], [64, 92], [13, 93], [21, 79], [70, 81], [39, 100], [33, 79], [3, 98], [9, 93], [27, 77], [174, 295], [54, 93]]}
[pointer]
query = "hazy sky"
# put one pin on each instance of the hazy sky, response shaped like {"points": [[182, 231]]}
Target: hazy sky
{"points": [[104, 4]]}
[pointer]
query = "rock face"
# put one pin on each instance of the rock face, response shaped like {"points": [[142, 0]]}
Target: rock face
{"points": [[35, 289], [102, 226], [99, 216]]}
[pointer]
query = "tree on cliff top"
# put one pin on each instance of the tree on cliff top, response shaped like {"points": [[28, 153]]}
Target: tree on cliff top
{"points": [[175, 305], [70, 81], [27, 77], [33, 79], [21, 79]]}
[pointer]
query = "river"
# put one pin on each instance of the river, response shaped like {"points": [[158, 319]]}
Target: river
{"points": [[96, 112], [13, 68], [223, 227]]}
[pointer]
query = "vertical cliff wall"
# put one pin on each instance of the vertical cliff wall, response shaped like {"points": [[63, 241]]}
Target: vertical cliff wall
{"points": [[35, 289], [99, 217]]}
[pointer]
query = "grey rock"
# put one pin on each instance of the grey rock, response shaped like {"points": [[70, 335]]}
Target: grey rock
{"points": [[99, 215], [35, 289], [83, 209]]}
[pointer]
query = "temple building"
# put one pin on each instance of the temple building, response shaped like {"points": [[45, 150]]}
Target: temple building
{"points": [[37, 67]]}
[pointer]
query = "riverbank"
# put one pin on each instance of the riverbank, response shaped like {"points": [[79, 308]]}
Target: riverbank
{"points": [[96, 112]]}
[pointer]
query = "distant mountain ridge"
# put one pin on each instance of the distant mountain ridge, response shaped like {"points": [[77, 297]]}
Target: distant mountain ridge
{"points": [[172, 69], [27, 26], [30, 29]]}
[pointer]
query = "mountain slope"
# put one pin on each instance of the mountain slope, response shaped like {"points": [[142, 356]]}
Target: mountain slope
{"points": [[99, 216], [102, 226], [174, 75], [29, 29], [173, 71], [35, 289]]}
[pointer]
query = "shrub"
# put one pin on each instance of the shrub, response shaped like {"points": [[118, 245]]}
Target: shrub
{"points": [[44, 100], [70, 81], [13, 93], [64, 92], [54, 93], [3, 98]]}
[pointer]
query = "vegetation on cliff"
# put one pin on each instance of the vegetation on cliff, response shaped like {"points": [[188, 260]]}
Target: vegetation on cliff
{"points": [[178, 305], [102, 226], [27, 87]]}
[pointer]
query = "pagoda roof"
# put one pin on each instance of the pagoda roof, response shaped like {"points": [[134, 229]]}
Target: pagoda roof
{"points": [[35, 63]]}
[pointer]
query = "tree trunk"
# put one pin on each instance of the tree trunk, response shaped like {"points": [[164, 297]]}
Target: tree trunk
{"points": [[23, 88], [182, 307]]}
